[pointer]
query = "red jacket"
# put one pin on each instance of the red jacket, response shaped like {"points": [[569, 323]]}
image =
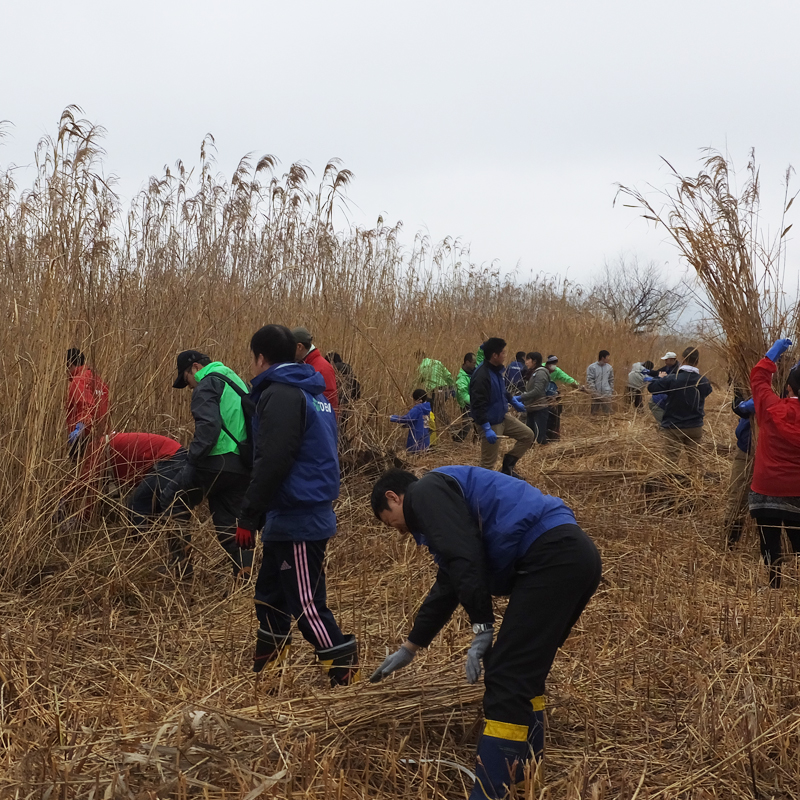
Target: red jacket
{"points": [[132, 455], [777, 467], [87, 398], [321, 365]]}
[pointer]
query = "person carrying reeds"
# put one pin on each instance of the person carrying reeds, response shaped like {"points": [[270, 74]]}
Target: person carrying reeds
{"points": [[489, 401], [493, 536], [741, 470], [775, 492], [600, 384], [219, 458], [290, 499], [686, 391]]}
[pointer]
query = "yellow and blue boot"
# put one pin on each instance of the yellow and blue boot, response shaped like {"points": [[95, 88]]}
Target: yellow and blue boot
{"points": [[503, 751], [536, 739], [341, 662], [271, 650]]}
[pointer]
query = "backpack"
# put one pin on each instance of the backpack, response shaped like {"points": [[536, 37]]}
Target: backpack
{"points": [[552, 390], [246, 448]]}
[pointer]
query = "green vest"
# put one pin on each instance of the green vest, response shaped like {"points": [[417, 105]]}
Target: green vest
{"points": [[230, 409]]}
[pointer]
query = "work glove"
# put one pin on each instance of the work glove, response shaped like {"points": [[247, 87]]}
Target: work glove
{"points": [[76, 432], [397, 660], [778, 349], [491, 436], [517, 404], [647, 378], [394, 418], [747, 407], [245, 538], [477, 652]]}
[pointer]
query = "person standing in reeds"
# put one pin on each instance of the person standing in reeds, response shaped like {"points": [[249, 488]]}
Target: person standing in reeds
{"points": [[87, 402], [636, 382], [464, 424], [492, 536], [557, 375], [290, 499], [741, 470], [515, 373], [600, 384], [686, 391], [218, 463], [438, 384], [308, 353], [489, 401], [775, 492], [418, 422], [658, 402], [535, 397]]}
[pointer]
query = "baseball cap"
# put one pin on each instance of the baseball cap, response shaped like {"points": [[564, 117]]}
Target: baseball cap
{"points": [[551, 360], [302, 335], [668, 354], [185, 360]]}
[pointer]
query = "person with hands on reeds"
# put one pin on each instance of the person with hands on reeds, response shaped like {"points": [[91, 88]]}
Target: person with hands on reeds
{"points": [[464, 423], [557, 375], [600, 384], [536, 397], [418, 422], [290, 499], [491, 535], [741, 470], [489, 401], [87, 401], [775, 492]]}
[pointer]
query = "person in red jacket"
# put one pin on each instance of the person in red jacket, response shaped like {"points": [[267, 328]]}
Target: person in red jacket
{"points": [[775, 491], [132, 455], [87, 400], [309, 354]]}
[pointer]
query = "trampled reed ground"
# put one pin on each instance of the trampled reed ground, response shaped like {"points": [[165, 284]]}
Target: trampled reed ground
{"points": [[679, 681]]}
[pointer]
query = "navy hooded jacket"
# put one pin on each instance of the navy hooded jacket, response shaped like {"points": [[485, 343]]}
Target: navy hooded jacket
{"points": [[477, 524], [488, 394], [296, 466], [418, 423]]}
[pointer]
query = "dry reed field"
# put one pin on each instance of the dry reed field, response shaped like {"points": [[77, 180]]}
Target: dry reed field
{"points": [[679, 681]]}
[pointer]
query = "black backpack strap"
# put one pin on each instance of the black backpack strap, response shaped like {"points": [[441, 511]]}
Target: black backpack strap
{"points": [[242, 394]]}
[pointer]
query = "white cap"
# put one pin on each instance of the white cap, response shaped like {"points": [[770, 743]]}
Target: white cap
{"points": [[667, 355]]}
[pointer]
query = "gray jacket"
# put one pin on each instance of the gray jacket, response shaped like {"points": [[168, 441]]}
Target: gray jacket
{"points": [[636, 376], [600, 380], [535, 395]]}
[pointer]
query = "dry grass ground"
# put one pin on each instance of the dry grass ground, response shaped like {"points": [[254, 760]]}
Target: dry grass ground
{"points": [[679, 681]]}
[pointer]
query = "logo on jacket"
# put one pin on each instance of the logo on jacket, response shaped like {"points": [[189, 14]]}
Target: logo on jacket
{"points": [[320, 406]]}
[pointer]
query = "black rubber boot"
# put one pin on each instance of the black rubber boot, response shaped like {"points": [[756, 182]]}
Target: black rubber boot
{"points": [[270, 650], [341, 662], [507, 468]]}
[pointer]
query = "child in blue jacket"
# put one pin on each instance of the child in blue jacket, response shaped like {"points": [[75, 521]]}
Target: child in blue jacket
{"points": [[418, 422]]}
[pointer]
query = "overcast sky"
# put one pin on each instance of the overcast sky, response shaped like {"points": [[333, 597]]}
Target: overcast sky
{"points": [[506, 124]]}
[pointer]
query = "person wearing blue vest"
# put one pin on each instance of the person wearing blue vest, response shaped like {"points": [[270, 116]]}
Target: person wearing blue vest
{"points": [[491, 534], [290, 499]]}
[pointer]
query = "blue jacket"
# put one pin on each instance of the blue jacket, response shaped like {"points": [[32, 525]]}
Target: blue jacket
{"points": [[488, 395], [418, 423], [296, 466], [515, 380], [744, 432], [477, 524]]}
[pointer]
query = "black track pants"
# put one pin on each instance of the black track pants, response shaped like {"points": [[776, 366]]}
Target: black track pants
{"points": [[554, 582], [291, 583], [769, 530]]}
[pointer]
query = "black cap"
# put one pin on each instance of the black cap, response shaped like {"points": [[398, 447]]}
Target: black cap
{"points": [[185, 360]]}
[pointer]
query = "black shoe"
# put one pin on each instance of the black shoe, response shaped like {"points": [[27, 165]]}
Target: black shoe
{"points": [[507, 468], [341, 662]]}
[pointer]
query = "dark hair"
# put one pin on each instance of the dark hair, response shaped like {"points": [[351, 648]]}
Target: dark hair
{"points": [[691, 356], [794, 380], [395, 480], [520, 356], [648, 364], [333, 358], [603, 354], [275, 343], [75, 357], [492, 346], [536, 356], [469, 357], [419, 394]]}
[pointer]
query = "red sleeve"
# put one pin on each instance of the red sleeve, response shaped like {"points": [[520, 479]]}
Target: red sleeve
{"points": [[761, 386], [133, 454]]}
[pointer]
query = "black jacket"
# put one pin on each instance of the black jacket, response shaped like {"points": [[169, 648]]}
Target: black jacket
{"points": [[436, 507], [686, 392], [488, 395]]}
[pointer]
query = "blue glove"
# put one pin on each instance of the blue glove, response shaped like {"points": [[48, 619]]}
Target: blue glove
{"points": [[491, 436], [517, 404], [394, 418], [76, 432], [747, 407], [778, 349], [647, 378]]}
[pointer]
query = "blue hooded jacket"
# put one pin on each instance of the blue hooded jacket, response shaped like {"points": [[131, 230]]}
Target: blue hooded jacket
{"points": [[418, 423], [296, 466]]}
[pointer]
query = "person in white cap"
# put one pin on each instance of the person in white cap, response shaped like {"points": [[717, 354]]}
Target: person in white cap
{"points": [[658, 402]]}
